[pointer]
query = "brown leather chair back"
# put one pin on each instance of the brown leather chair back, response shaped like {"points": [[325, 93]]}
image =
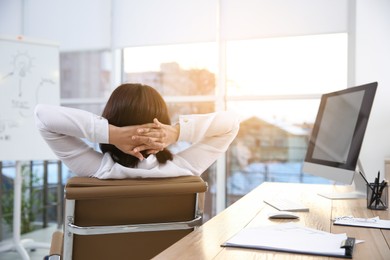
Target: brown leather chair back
{"points": [[131, 202]]}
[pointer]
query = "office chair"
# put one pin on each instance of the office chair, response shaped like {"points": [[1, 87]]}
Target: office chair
{"points": [[127, 219]]}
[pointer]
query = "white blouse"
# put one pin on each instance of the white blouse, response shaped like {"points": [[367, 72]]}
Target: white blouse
{"points": [[64, 128]]}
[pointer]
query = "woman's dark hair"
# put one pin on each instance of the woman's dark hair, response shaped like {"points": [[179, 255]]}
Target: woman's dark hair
{"points": [[134, 104]]}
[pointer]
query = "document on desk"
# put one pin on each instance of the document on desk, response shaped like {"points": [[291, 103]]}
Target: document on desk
{"points": [[293, 238], [362, 222]]}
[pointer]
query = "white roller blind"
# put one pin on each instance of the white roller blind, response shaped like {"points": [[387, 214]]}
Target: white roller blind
{"points": [[247, 19], [154, 22], [84, 25], [74, 24]]}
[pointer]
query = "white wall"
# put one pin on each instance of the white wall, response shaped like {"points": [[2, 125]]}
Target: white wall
{"points": [[373, 64], [11, 18]]}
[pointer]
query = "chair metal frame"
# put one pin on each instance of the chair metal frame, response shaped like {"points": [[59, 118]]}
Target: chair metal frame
{"points": [[70, 229]]}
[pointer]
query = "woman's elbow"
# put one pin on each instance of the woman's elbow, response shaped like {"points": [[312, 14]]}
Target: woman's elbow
{"points": [[230, 121], [38, 112]]}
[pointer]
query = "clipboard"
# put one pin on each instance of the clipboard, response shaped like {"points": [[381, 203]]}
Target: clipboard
{"points": [[293, 238]]}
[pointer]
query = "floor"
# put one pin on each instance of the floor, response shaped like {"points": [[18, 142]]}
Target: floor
{"points": [[42, 235]]}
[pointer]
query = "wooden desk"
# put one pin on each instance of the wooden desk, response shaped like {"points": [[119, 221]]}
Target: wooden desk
{"points": [[251, 211]]}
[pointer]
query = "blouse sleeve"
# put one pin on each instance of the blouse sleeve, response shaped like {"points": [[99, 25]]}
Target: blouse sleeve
{"points": [[64, 129], [210, 135]]}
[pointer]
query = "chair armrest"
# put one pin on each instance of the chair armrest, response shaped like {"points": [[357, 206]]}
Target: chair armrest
{"points": [[57, 240], [101, 230]]}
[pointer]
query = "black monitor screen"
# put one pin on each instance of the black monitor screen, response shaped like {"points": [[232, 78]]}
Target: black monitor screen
{"points": [[340, 125]]}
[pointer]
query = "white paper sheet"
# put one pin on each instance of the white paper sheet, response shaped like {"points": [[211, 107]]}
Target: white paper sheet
{"points": [[290, 237], [362, 222]]}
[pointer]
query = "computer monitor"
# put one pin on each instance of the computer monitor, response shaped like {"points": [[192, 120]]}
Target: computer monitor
{"points": [[337, 137]]}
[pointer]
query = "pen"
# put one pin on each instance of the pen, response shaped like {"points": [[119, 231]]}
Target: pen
{"points": [[378, 195], [364, 178], [382, 187], [374, 191], [377, 182], [379, 190]]}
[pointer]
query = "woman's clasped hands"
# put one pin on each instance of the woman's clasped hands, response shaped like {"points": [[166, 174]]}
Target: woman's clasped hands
{"points": [[140, 140]]}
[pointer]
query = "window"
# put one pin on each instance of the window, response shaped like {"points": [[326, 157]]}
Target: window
{"points": [[85, 75], [275, 85], [287, 65]]}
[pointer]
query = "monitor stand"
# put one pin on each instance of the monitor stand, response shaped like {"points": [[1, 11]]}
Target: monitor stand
{"points": [[358, 188]]}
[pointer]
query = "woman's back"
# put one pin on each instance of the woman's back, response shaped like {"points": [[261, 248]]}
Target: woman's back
{"points": [[64, 128]]}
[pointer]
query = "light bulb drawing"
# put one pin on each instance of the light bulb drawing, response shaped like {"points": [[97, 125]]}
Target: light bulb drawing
{"points": [[22, 64]]}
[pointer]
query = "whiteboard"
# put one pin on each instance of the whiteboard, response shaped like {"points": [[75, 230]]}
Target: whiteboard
{"points": [[29, 74]]}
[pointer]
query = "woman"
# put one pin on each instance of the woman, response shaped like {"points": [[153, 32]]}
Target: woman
{"points": [[134, 131]]}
